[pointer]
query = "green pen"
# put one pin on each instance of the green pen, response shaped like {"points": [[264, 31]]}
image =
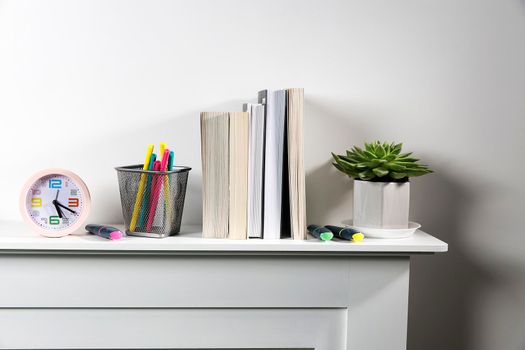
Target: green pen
{"points": [[170, 161], [320, 232]]}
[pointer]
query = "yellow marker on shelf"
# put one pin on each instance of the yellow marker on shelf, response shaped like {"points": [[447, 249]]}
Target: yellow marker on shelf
{"points": [[140, 192], [358, 237]]}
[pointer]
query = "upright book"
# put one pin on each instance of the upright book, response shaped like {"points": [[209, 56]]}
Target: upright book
{"points": [[275, 114], [238, 175], [224, 151], [255, 168], [215, 132], [296, 173]]}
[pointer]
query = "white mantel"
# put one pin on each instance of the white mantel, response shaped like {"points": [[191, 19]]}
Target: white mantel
{"points": [[14, 236], [189, 292]]}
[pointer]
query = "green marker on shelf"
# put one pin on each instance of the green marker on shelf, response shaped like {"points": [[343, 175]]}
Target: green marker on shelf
{"points": [[320, 232]]}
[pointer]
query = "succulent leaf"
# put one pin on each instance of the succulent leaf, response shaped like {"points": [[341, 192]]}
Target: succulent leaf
{"points": [[389, 157], [404, 155], [380, 151], [397, 148], [398, 176], [370, 155], [366, 175], [338, 167], [395, 166], [380, 172], [377, 162]]}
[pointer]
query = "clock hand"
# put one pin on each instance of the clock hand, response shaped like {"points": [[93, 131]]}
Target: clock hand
{"points": [[59, 211], [63, 206]]}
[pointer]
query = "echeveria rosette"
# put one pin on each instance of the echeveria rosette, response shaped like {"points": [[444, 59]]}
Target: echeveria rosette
{"points": [[379, 162]]}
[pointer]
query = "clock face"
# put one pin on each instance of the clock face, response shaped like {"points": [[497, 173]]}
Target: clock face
{"points": [[55, 203]]}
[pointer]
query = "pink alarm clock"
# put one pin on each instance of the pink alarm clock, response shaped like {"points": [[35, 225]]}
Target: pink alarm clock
{"points": [[55, 202]]}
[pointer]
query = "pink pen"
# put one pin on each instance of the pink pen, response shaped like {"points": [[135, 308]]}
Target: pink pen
{"points": [[156, 188]]}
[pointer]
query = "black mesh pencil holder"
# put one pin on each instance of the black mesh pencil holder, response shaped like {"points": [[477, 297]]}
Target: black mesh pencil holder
{"points": [[152, 201]]}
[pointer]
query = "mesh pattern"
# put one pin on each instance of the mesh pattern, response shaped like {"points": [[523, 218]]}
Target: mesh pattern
{"points": [[152, 201]]}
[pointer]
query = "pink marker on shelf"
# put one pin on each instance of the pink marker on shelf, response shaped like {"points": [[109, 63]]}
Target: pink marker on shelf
{"points": [[105, 231], [156, 188]]}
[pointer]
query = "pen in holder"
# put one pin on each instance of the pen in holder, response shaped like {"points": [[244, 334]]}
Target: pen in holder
{"points": [[152, 201]]}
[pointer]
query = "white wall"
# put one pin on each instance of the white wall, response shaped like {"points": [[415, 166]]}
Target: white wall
{"points": [[86, 85]]}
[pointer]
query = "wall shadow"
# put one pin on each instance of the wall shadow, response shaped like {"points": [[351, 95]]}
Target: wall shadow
{"points": [[326, 191], [443, 287], [327, 130]]}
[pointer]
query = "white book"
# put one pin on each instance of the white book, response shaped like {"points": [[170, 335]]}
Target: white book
{"points": [[255, 168], [275, 108]]}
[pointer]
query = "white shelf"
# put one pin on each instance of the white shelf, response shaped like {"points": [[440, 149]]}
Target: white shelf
{"points": [[17, 237]]}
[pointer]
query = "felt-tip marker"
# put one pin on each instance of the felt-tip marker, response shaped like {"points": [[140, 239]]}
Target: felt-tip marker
{"points": [[320, 232], [105, 231], [346, 233]]}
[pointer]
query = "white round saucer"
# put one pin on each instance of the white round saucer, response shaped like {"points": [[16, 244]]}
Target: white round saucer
{"points": [[371, 232]]}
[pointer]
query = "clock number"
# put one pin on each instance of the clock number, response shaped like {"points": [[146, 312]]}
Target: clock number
{"points": [[73, 202], [36, 202], [55, 183], [54, 220]]}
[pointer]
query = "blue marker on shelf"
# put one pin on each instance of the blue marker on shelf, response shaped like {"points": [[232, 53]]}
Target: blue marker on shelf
{"points": [[105, 231], [347, 233]]}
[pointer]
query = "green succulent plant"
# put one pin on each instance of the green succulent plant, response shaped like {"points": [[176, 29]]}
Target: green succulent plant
{"points": [[379, 162]]}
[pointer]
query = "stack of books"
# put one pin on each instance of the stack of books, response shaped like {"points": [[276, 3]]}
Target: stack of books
{"points": [[253, 169]]}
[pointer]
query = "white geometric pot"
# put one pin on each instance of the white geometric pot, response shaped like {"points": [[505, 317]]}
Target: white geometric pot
{"points": [[381, 204]]}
